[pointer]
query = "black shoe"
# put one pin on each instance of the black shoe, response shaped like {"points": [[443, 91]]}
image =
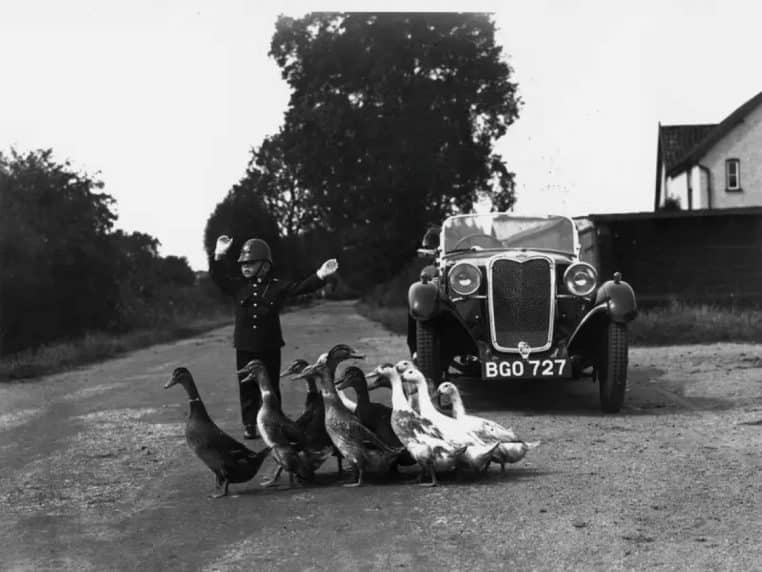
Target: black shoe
{"points": [[250, 432]]}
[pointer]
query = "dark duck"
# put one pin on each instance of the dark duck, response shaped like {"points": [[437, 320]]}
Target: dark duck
{"points": [[375, 416], [312, 419], [229, 460], [359, 446], [286, 439]]}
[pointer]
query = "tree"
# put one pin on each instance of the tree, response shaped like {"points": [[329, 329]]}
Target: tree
{"points": [[242, 214], [57, 262], [392, 118], [271, 177]]}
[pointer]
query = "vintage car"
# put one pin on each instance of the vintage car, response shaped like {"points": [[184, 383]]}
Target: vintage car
{"points": [[507, 298]]}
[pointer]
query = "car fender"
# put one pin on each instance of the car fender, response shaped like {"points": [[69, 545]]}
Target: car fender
{"points": [[619, 298], [423, 300]]}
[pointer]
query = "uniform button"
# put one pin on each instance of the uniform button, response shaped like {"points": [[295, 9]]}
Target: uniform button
{"points": [[254, 327]]}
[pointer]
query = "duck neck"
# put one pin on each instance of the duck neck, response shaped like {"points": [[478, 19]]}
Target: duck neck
{"points": [[311, 386], [361, 393], [328, 390], [457, 405], [399, 401], [269, 398], [197, 409], [190, 388], [424, 401]]}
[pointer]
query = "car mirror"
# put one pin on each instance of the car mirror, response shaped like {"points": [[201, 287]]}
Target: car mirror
{"points": [[426, 253]]}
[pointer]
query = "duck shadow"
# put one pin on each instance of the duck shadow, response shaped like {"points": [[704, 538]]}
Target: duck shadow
{"points": [[407, 476], [649, 392]]}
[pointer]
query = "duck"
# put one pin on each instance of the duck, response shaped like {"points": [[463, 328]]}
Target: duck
{"points": [[332, 358], [359, 446], [478, 452], [286, 439], [511, 449], [229, 460], [375, 380], [422, 439], [312, 419], [375, 416]]}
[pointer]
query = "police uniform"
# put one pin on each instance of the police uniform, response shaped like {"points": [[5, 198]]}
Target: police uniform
{"points": [[258, 302]]}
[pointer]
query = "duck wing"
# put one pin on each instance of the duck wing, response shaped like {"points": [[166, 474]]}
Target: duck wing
{"points": [[490, 430], [294, 461], [223, 454]]}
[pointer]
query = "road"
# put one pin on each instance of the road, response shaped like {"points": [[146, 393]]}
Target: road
{"points": [[96, 474]]}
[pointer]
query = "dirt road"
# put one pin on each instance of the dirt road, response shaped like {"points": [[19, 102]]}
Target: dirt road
{"points": [[96, 475]]}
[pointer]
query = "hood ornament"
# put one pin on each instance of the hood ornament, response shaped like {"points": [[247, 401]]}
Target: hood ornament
{"points": [[524, 350]]}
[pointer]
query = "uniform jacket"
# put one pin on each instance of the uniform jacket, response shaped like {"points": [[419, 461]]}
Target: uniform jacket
{"points": [[258, 302]]}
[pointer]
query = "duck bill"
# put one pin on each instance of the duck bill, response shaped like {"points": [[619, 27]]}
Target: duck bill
{"points": [[170, 383], [247, 379], [341, 384], [242, 371], [356, 356]]}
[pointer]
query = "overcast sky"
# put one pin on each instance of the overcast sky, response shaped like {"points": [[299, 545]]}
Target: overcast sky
{"points": [[163, 100]]}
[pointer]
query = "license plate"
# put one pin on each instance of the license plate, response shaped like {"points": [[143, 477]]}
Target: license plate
{"points": [[527, 368]]}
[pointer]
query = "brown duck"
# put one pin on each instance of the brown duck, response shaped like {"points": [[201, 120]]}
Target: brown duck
{"points": [[312, 419], [283, 435], [229, 460], [359, 446]]}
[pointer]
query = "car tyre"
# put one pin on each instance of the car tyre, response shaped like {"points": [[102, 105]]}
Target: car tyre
{"points": [[612, 368], [427, 352]]}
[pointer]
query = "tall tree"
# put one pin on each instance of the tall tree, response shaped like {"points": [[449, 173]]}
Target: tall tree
{"points": [[392, 118], [271, 177], [242, 214], [57, 262]]}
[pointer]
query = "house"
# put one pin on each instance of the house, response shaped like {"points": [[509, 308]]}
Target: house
{"points": [[712, 166]]}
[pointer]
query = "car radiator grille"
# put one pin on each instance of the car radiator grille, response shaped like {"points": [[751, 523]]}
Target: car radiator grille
{"points": [[521, 302]]}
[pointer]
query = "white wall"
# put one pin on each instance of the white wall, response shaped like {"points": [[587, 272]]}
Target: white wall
{"points": [[743, 142]]}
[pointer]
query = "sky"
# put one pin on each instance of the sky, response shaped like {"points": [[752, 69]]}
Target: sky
{"points": [[163, 100]]}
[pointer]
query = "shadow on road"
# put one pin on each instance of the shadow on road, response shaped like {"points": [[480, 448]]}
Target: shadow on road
{"points": [[648, 393]]}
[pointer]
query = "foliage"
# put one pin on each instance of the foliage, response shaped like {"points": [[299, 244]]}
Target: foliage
{"points": [[242, 214], [57, 259], [390, 127], [65, 273]]}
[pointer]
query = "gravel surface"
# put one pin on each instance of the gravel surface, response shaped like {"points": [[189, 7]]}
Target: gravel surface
{"points": [[96, 474]]}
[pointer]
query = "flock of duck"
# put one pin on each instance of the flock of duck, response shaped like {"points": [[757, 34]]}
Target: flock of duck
{"points": [[369, 436]]}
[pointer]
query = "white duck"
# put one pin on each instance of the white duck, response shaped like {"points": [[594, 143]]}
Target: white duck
{"points": [[478, 452], [420, 437], [511, 449]]}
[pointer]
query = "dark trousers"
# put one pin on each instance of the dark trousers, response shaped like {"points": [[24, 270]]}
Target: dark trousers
{"points": [[251, 399]]}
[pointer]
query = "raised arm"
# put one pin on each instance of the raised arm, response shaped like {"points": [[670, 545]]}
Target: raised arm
{"points": [[219, 269]]}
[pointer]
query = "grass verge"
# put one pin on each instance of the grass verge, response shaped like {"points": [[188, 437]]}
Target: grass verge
{"points": [[99, 346], [677, 324]]}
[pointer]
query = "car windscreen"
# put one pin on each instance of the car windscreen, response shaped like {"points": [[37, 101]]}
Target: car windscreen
{"points": [[497, 231]]}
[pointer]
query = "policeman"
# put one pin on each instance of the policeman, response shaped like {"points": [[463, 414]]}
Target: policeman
{"points": [[258, 299]]}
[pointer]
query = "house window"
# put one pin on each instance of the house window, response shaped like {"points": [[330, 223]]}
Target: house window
{"points": [[732, 175]]}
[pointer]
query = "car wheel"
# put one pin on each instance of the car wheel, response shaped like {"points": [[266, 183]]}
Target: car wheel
{"points": [[612, 368], [427, 349]]}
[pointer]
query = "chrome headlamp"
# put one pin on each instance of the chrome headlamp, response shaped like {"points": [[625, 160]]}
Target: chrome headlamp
{"points": [[465, 278], [580, 278]]}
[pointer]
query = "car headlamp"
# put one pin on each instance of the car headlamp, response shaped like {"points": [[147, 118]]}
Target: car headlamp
{"points": [[580, 278], [465, 278]]}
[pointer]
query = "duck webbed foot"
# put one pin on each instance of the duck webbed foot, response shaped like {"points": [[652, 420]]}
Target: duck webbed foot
{"points": [[224, 492], [358, 482], [272, 481], [433, 481]]}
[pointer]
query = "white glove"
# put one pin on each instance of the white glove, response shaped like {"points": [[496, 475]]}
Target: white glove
{"points": [[222, 246], [329, 267]]}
